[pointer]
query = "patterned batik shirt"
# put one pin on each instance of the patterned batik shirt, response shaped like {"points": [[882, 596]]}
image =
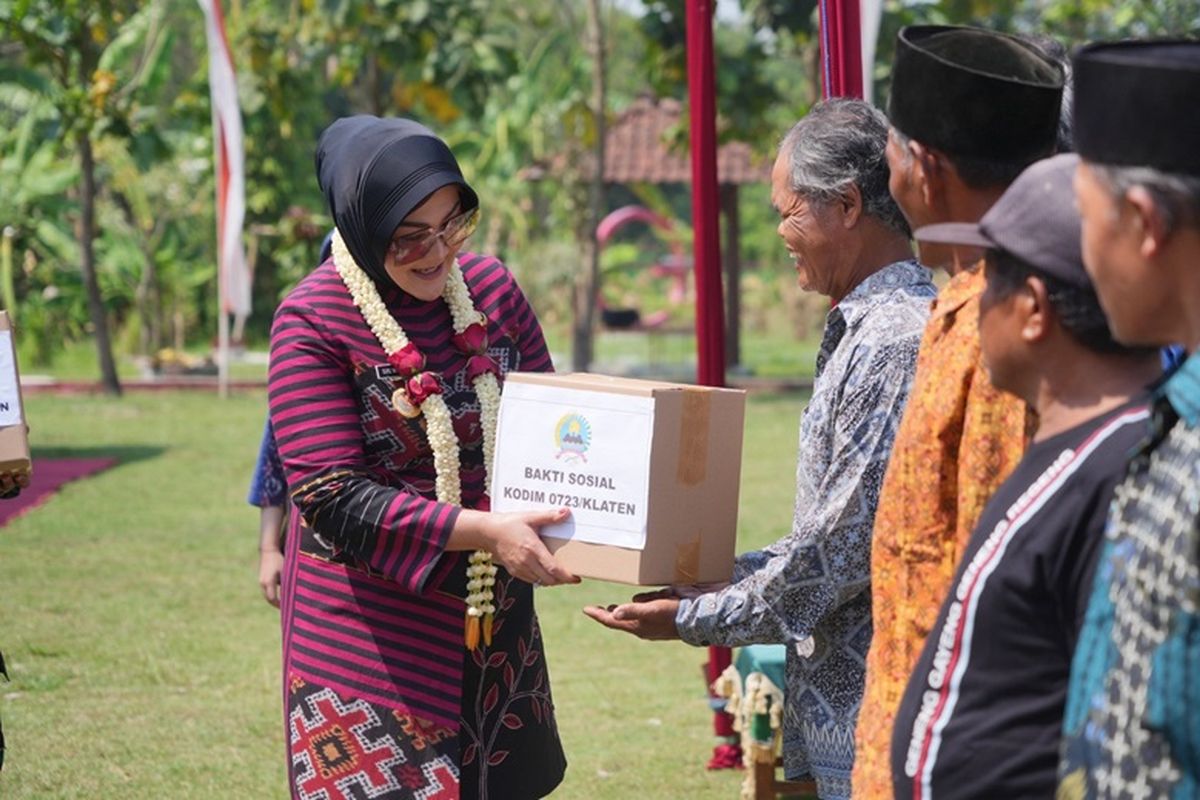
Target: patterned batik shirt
{"points": [[268, 487], [959, 440], [810, 589], [1132, 724]]}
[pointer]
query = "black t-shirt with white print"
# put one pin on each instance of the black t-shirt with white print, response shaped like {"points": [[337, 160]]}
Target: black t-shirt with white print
{"points": [[982, 714]]}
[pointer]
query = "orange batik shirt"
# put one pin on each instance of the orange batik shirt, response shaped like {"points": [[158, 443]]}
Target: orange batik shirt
{"points": [[958, 441]]}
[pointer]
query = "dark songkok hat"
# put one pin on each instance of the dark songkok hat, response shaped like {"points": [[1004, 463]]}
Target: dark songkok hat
{"points": [[1035, 219], [373, 173], [1138, 104], [975, 93]]}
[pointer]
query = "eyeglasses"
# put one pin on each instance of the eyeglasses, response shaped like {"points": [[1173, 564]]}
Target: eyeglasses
{"points": [[453, 232]]}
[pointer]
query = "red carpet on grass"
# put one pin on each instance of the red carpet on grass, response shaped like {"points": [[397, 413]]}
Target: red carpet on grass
{"points": [[48, 475]]}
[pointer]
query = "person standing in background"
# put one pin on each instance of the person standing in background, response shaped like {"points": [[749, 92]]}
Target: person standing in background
{"points": [[268, 491]]}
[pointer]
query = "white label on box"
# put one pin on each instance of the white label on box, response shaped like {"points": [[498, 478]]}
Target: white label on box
{"points": [[10, 397], [588, 451]]}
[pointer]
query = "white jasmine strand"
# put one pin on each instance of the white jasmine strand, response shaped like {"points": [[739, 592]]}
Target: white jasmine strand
{"points": [[439, 425]]}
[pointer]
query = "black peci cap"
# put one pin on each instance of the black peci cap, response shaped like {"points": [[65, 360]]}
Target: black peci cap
{"points": [[1137, 103], [975, 93]]}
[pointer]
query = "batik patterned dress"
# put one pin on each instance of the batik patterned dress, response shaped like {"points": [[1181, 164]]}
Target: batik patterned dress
{"points": [[382, 699], [267, 486]]}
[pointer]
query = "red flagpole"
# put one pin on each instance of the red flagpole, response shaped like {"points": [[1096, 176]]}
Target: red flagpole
{"points": [[710, 311], [841, 49], [706, 253], [841, 76]]}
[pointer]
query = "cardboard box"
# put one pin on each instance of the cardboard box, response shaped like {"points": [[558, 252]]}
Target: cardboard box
{"points": [[14, 437], [650, 470]]}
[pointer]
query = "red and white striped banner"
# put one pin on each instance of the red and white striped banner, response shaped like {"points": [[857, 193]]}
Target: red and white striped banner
{"points": [[229, 160]]}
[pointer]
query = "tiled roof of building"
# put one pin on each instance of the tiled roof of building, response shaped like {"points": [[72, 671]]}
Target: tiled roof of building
{"points": [[638, 149]]}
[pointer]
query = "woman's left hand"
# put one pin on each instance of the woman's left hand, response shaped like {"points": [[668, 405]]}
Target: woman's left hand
{"points": [[514, 542]]}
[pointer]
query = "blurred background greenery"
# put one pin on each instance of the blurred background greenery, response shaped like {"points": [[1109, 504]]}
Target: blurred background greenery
{"points": [[104, 115]]}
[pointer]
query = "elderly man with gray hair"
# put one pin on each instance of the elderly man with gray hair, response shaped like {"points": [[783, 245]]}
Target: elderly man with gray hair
{"points": [[811, 588]]}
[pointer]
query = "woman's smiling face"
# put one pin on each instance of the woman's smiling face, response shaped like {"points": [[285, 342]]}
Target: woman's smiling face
{"points": [[425, 278]]}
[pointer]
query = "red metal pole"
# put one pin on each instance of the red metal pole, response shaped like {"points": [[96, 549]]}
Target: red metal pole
{"points": [[710, 312], [706, 252], [841, 49]]}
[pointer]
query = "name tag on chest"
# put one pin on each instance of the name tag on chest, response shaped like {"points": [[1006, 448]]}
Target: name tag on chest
{"points": [[386, 372]]}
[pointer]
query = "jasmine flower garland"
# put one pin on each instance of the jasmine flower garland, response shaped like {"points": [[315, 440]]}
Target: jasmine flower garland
{"points": [[422, 394]]}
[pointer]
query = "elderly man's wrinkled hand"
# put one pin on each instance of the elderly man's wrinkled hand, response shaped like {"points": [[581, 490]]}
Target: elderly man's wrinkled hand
{"points": [[652, 619]]}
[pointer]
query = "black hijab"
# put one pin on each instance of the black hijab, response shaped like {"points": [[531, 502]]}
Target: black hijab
{"points": [[373, 173]]}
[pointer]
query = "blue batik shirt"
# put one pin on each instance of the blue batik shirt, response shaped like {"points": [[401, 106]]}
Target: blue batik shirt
{"points": [[1172, 357], [810, 589], [268, 486], [1132, 723]]}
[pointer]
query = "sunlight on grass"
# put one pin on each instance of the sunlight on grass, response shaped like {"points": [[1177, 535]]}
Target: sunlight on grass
{"points": [[145, 664]]}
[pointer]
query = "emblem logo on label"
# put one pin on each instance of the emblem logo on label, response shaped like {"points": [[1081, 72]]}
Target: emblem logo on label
{"points": [[572, 437]]}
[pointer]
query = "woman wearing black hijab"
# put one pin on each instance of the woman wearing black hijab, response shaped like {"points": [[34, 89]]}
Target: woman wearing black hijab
{"points": [[413, 661]]}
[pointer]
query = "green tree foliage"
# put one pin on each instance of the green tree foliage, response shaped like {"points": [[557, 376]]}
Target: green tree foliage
{"points": [[77, 46], [304, 63], [38, 244], [750, 89], [1070, 22], [106, 149]]}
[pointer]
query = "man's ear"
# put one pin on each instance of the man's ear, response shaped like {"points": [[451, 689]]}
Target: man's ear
{"points": [[851, 202], [928, 172], [1033, 306], [1148, 219]]}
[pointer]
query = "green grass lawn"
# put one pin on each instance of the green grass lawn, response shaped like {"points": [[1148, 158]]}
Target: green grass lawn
{"points": [[145, 664], [775, 356]]}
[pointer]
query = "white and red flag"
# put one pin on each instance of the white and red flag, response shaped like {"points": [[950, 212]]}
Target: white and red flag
{"points": [[229, 158]]}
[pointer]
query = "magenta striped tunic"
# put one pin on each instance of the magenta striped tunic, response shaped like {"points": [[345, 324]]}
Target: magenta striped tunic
{"points": [[372, 603]]}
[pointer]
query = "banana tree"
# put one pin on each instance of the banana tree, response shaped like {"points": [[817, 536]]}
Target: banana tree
{"points": [[33, 203], [36, 243], [74, 46]]}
